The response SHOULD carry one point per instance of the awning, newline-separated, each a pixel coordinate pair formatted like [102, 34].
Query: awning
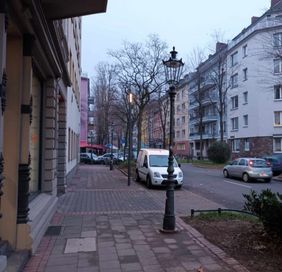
[60, 9]
[84, 144]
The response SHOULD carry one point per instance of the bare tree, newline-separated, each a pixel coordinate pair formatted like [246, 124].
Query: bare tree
[197, 95]
[140, 69]
[104, 91]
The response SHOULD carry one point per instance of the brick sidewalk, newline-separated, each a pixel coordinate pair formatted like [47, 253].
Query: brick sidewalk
[104, 225]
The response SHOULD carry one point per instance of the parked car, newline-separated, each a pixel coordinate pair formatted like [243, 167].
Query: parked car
[106, 158]
[248, 168]
[88, 158]
[275, 161]
[151, 167]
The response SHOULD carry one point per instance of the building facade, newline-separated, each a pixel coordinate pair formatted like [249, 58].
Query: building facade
[181, 129]
[251, 91]
[254, 106]
[39, 116]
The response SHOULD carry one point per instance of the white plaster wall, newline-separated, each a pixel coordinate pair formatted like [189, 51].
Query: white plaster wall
[260, 84]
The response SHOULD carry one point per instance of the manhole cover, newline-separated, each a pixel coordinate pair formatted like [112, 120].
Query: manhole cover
[53, 231]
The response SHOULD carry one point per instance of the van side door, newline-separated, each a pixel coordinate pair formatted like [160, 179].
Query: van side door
[143, 170]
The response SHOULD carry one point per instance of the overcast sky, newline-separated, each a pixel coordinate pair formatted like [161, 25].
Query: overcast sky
[185, 24]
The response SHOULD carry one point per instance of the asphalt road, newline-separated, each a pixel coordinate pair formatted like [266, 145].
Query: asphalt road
[211, 184]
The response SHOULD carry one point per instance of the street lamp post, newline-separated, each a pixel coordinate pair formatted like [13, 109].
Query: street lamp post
[130, 100]
[173, 69]
[112, 142]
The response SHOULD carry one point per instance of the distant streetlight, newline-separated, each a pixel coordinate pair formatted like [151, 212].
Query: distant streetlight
[112, 143]
[91, 143]
[173, 69]
[130, 100]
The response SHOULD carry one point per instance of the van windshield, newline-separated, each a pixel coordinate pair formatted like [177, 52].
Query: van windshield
[160, 161]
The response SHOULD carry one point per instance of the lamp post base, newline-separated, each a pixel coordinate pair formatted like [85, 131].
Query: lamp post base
[169, 231]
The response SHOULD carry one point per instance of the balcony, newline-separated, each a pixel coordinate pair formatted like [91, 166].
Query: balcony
[206, 119]
[205, 136]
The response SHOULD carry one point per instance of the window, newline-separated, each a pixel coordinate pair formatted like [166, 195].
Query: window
[183, 107]
[245, 97]
[234, 59]
[246, 144]
[277, 39]
[183, 120]
[177, 134]
[245, 74]
[277, 144]
[277, 66]
[178, 121]
[91, 120]
[244, 49]
[235, 145]
[235, 123]
[234, 102]
[277, 92]
[183, 133]
[277, 118]
[234, 81]
[246, 120]
[91, 107]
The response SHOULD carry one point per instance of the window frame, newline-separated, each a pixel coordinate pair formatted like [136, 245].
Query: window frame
[235, 145]
[279, 89]
[244, 50]
[234, 59]
[279, 150]
[234, 83]
[277, 115]
[234, 102]
[235, 123]
[277, 66]
[245, 97]
[245, 120]
[246, 144]
[279, 44]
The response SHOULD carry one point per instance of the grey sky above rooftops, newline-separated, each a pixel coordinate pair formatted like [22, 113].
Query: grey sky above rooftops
[185, 24]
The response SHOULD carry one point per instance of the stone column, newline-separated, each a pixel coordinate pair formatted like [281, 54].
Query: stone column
[62, 148]
[49, 184]
[3, 85]
[23, 230]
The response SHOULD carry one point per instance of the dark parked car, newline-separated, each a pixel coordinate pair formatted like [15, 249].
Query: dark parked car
[88, 158]
[275, 161]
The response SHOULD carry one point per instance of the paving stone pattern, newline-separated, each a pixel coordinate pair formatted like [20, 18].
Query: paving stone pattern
[121, 224]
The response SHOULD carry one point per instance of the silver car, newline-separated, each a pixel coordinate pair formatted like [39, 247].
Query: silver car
[248, 168]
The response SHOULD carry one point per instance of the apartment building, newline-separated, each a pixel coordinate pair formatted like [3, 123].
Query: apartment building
[181, 129]
[254, 100]
[39, 111]
[251, 91]
[207, 88]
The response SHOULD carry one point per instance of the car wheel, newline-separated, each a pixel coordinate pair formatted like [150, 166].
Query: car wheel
[268, 180]
[148, 182]
[225, 173]
[245, 177]
[137, 176]
[178, 187]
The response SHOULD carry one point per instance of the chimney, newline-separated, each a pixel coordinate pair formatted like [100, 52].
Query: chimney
[254, 19]
[219, 46]
[274, 2]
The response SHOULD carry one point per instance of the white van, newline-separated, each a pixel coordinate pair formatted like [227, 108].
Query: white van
[151, 167]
